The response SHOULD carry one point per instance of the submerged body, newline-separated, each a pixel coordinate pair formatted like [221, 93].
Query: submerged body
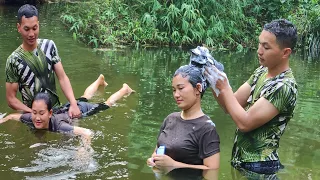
[189, 136]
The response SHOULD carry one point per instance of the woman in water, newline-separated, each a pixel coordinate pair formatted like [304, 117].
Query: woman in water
[43, 117]
[189, 137]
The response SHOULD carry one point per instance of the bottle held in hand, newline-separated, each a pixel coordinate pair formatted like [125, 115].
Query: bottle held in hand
[161, 150]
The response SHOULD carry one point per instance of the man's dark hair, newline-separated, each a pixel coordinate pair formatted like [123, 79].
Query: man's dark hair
[285, 32]
[44, 97]
[28, 11]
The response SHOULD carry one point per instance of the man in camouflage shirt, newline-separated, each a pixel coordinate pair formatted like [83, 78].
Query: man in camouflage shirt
[262, 107]
[31, 67]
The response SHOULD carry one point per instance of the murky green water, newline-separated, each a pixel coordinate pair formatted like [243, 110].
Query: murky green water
[125, 135]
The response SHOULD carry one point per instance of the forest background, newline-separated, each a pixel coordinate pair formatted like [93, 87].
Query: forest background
[219, 24]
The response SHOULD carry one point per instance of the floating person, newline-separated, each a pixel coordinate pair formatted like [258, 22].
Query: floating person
[189, 137]
[42, 116]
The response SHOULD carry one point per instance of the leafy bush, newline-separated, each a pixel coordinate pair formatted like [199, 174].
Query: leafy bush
[218, 24]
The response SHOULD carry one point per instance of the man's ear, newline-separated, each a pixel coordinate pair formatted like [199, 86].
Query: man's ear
[18, 27]
[286, 53]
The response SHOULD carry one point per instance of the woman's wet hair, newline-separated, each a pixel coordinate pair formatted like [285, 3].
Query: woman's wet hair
[195, 75]
[28, 11]
[285, 32]
[44, 97]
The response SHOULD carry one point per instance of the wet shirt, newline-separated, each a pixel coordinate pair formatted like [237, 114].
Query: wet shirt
[189, 141]
[43, 58]
[58, 122]
[261, 144]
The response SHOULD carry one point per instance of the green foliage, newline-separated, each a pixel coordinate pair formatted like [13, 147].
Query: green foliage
[218, 24]
[268, 10]
[307, 19]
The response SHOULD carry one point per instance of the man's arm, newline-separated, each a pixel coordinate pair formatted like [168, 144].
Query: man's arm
[65, 85]
[242, 94]
[260, 113]
[12, 100]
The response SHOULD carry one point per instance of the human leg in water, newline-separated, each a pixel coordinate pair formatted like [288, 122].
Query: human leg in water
[100, 82]
[124, 91]
[92, 88]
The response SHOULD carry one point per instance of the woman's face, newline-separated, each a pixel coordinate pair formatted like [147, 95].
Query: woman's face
[184, 93]
[40, 114]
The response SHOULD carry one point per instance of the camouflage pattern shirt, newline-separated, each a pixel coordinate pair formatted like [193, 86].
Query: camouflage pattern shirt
[34, 71]
[261, 144]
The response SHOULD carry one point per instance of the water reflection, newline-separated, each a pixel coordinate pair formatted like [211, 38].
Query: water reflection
[249, 175]
[169, 173]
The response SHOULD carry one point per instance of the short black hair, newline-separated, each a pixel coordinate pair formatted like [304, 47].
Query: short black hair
[44, 97]
[28, 11]
[285, 32]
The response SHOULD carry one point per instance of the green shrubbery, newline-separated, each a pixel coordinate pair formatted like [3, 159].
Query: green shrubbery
[218, 24]
[307, 19]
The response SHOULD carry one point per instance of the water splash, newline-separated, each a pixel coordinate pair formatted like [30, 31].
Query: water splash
[59, 162]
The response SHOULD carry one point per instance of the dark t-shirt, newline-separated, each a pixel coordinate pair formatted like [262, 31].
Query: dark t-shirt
[189, 141]
[57, 123]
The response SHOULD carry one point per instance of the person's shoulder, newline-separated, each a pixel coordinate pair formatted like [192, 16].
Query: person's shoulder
[288, 82]
[60, 117]
[45, 41]
[205, 126]
[173, 115]
[14, 55]
[25, 117]
[260, 69]
[207, 122]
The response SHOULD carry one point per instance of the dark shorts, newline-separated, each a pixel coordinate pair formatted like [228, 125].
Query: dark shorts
[250, 175]
[86, 108]
[261, 167]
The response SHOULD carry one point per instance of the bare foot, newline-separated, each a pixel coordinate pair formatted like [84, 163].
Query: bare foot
[128, 88]
[102, 82]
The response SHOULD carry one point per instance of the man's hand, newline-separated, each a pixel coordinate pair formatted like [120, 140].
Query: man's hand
[74, 111]
[218, 80]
